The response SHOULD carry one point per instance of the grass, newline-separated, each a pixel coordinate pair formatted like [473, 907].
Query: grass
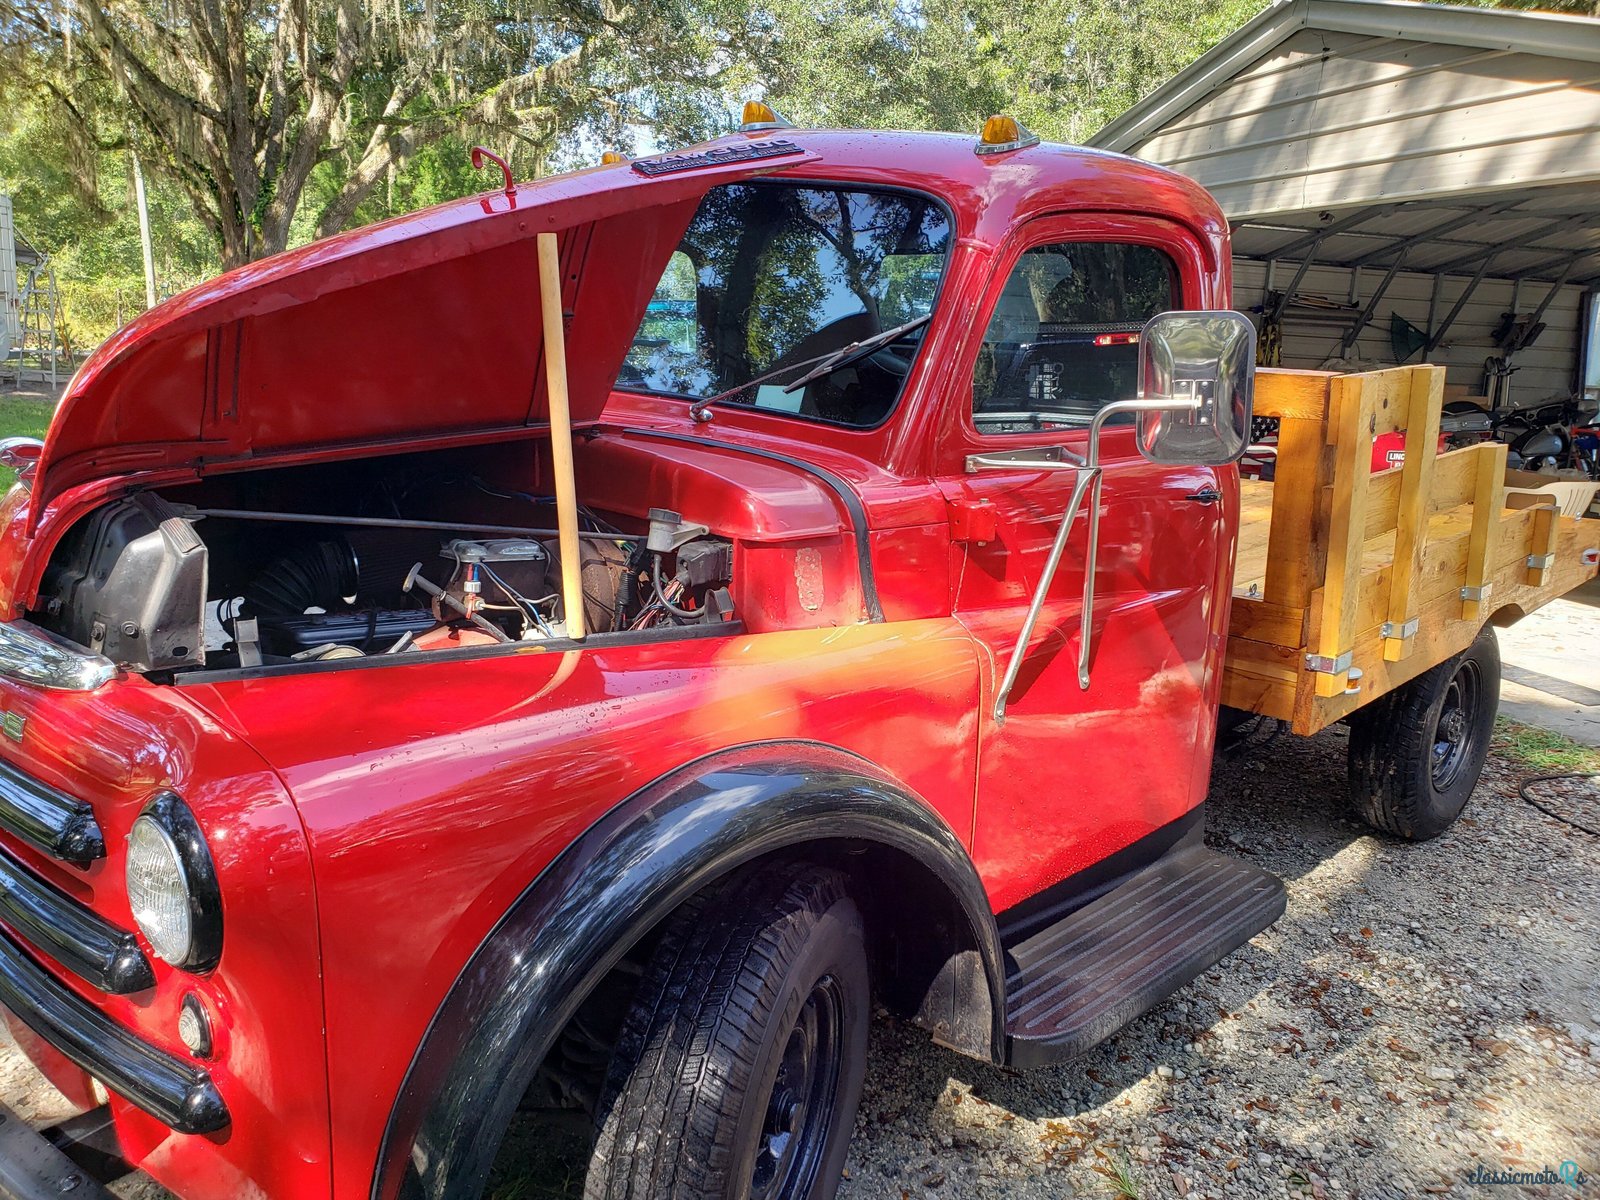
[1118, 1172]
[22, 418]
[1541, 749]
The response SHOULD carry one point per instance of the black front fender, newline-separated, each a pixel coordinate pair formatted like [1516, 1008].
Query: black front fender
[605, 892]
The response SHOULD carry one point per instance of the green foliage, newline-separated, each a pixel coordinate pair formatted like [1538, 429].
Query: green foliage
[22, 418]
[79, 209]
[1062, 67]
[1542, 749]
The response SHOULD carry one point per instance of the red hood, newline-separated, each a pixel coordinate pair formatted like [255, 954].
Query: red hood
[427, 324]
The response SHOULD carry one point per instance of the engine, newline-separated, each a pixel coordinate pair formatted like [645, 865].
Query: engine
[157, 587]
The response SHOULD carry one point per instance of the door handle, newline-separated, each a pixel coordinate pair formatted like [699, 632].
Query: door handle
[1029, 458]
[1206, 495]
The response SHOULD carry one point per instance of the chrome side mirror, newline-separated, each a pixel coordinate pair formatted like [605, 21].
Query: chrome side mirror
[1197, 373]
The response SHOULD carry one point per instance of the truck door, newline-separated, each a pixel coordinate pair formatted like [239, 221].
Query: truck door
[1071, 776]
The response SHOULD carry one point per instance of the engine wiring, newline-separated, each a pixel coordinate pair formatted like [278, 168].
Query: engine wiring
[662, 599]
[597, 523]
[662, 606]
[520, 602]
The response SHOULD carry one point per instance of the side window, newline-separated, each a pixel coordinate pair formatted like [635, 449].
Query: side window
[1064, 336]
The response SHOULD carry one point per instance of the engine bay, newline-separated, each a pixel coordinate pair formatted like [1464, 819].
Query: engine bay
[244, 573]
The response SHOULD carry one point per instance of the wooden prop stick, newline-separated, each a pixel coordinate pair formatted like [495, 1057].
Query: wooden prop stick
[555, 372]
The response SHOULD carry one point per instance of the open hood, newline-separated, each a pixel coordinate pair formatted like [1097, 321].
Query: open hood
[424, 326]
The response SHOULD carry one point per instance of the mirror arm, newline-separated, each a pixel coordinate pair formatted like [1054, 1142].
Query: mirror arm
[1118, 408]
[1086, 476]
[1086, 615]
[1088, 481]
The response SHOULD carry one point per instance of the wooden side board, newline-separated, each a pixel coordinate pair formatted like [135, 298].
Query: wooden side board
[1349, 583]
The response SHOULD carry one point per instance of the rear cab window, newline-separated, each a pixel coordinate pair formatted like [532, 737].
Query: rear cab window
[773, 281]
[1063, 339]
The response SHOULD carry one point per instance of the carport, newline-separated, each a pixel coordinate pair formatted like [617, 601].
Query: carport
[1401, 177]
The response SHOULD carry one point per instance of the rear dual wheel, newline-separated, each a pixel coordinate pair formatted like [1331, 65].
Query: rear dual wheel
[739, 1067]
[1417, 753]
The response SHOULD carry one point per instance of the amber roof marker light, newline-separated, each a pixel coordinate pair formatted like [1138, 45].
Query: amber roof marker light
[1002, 134]
[759, 116]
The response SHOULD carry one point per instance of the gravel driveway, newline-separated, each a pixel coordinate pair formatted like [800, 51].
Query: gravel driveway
[1419, 1012]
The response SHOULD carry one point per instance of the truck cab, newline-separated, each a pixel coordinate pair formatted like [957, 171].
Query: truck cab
[571, 649]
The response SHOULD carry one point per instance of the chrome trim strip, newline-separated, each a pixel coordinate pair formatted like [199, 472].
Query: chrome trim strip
[178, 1094]
[58, 824]
[29, 654]
[76, 937]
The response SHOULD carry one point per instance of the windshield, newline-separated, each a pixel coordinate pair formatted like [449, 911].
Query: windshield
[772, 280]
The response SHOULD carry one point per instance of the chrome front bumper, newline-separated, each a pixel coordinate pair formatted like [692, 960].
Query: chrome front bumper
[177, 1093]
[85, 943]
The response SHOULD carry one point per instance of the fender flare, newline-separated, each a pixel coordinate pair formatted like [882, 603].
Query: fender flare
[604, 892]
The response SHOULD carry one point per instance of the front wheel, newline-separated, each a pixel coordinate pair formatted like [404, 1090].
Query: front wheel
[1416, 754]
[739, 1067]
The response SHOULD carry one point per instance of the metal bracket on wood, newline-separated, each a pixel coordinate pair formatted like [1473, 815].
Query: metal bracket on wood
[1479, 594]
[1408, 630]
[1323, 665]
[1540, 562]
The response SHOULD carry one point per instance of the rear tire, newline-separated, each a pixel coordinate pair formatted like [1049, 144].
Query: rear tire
[739, 1066]
[1416, 754]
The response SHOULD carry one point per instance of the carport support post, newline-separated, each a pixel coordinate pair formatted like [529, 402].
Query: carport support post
[555, 373]
[1354, 335]
[1294, 284]
[1461, 302]
[1561, 282]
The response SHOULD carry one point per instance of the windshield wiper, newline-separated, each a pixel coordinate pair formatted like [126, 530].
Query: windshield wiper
[697, 410]
[826, 364]
[856, 351]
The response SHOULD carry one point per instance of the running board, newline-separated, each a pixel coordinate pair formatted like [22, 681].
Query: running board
[1075, 983]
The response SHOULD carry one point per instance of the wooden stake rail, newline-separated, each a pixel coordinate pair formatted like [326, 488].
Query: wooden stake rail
[1348, 583]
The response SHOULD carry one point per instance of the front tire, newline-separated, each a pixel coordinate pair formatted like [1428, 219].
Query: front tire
[1416, 754]
[739, 1066]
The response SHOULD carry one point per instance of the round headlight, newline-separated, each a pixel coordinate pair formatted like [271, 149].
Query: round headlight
[172, 885]
[159, 891]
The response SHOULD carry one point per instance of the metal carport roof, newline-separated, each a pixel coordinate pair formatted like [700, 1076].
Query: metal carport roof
[1379, 134]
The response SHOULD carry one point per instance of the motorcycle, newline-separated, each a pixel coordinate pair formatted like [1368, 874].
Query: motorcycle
[1554, 436]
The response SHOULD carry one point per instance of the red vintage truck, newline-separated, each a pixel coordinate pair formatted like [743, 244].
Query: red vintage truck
[566, 650]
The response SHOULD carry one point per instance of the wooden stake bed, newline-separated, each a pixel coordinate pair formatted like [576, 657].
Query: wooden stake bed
[1389, 573]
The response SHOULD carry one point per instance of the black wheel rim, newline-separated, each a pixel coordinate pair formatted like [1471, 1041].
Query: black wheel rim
[800, 1108]
[1456, 733]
